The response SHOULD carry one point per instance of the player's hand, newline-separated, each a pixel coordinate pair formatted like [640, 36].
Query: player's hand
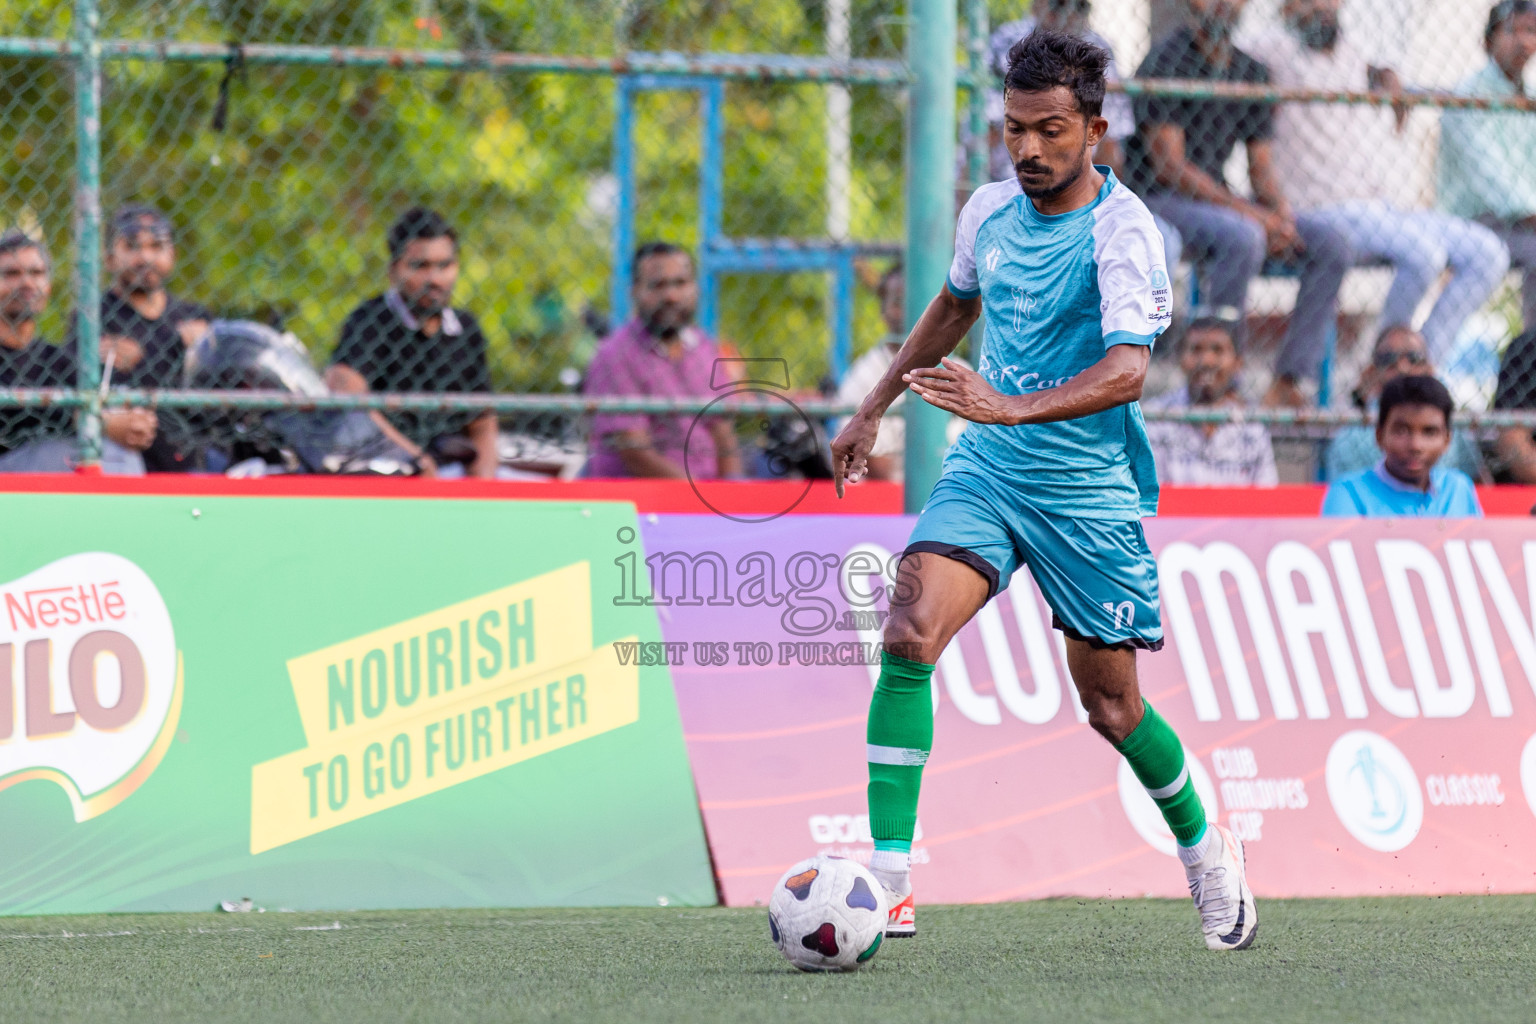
[851, 448]
[957, 388]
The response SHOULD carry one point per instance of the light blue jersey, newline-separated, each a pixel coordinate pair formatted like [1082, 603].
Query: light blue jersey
[1375, 492]
[1057, 292]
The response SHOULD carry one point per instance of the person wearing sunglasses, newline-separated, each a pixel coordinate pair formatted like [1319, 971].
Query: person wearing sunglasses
[1486, 156]
[1400, 351]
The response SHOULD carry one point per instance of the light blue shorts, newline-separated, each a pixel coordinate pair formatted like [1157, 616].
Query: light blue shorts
[1098, 576]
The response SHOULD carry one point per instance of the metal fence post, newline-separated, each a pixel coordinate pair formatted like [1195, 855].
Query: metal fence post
[87, 58]
[930, 211]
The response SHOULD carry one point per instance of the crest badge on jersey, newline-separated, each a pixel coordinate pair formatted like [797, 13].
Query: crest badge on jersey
[1162, 295]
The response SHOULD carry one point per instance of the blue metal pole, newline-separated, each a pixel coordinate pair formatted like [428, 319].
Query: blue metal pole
[624, 201]
[711, 201]
[844, 279]
[88, 225]
[930, 190]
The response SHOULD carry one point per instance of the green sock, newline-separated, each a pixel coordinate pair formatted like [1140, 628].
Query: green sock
[1157, 758]
[900, 734]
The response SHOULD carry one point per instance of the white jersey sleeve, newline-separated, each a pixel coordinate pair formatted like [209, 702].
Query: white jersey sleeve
[984, 202]
[1135, 293]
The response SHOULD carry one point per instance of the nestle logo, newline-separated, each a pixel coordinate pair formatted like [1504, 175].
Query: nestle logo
[65, 606]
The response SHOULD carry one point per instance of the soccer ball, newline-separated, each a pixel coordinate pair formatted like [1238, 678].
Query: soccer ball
[827, 914]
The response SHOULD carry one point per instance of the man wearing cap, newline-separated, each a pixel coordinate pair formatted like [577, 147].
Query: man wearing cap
[146, 332]
[411, 339]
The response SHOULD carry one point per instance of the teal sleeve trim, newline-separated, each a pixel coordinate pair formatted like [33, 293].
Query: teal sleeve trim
[961, 293]
[1129, 338]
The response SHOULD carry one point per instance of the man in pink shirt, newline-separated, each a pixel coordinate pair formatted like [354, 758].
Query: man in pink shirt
[660, 353]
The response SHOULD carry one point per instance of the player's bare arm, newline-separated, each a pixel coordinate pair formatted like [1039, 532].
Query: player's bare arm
[938, 331]
[1114, 380]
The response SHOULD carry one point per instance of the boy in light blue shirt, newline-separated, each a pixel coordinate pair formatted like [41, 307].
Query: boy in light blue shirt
[1413, 430]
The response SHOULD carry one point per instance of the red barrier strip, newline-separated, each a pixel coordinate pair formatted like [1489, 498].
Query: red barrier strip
[746, 498]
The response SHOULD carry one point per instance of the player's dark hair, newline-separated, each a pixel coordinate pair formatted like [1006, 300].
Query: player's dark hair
[1414, 390]
[649, 249]
[1044, 60]
[1501, 13]
[416, 223]
[15, 240]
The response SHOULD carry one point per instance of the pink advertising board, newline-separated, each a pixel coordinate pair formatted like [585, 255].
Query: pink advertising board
[1358, 700]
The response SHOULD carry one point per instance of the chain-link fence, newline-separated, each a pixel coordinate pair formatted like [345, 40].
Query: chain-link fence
[281, 140]
[1349, 187]
[1316, 164]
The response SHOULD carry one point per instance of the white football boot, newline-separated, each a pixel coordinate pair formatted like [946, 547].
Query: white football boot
[901, 914]
[1219, 885]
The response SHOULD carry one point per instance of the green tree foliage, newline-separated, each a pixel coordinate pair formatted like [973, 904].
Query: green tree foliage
[283, 212]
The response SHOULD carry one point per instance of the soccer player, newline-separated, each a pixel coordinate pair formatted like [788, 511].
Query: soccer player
[1054, 471]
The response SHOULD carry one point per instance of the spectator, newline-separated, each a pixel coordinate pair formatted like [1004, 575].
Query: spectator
[661, 353]
[144, 329]
[1340, 164]
[1487, 156]
[1515, 451]
[1399, 351]
[1413, 430]
[26, 360]
[145, 335]
[41, 440]
[411, 339]
[1071, 17]
[1231, 454]
[1176, 160]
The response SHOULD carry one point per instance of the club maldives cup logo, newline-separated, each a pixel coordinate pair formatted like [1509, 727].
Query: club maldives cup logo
[90, 680]
[1374, 790]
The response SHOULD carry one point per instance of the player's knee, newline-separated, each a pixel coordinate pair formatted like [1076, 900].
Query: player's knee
[1112, 716]
[907, 637]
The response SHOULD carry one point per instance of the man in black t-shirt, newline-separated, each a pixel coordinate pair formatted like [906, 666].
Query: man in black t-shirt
[1176, 160]
[146, 331]
[1514, 457]
[39, 439]
[411, 339]
[26, 360]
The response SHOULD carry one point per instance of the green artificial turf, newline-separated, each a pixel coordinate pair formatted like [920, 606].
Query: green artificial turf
[1422, 959]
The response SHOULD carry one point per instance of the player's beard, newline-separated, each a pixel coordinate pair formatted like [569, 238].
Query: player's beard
[1057, 188]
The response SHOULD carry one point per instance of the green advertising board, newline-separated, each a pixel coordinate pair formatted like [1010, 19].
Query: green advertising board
[331, 704]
